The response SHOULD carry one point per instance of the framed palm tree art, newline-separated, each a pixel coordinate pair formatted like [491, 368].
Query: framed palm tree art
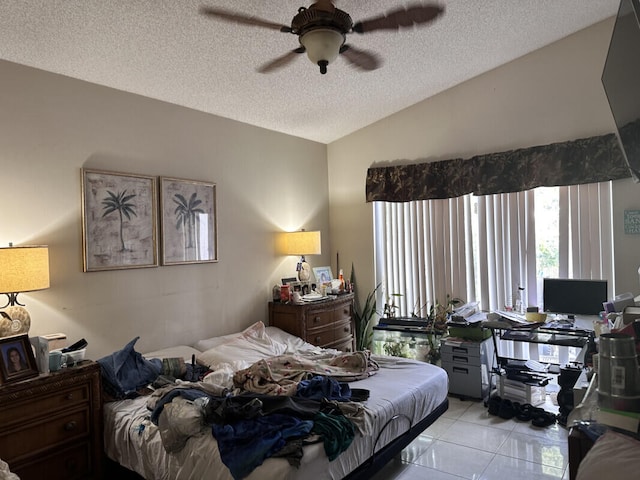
[119, 220]
[188, 221]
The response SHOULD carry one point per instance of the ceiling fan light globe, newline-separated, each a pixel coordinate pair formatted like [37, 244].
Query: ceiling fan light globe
[322, 45]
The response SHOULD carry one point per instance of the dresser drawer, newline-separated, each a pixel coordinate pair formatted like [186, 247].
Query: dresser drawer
[345, 345]
[320, 337]
[33, 437]
[38, 406]
[343, 329]
[343, 313]
[319, 318]
[69, 464]
[328, 323]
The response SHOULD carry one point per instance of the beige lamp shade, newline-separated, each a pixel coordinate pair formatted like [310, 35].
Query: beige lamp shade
[299, 243]
[24, 269]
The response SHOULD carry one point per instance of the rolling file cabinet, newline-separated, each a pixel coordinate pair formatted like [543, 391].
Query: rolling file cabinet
[468, 365]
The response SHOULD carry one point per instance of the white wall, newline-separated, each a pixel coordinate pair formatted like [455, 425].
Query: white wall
[52, 126]
[551, 95]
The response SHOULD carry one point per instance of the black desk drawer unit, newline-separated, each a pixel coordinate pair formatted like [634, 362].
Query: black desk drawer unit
[468, 365]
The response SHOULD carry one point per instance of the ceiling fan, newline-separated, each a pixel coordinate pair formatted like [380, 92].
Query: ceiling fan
[322, 29]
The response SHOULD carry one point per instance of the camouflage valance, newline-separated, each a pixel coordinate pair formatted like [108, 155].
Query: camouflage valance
[587, 160]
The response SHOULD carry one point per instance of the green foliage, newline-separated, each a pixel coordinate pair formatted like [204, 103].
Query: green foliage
[363, 316]
[364, 320]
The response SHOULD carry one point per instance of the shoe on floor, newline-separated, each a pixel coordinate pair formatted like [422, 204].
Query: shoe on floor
[542, 418]
[507, 410]
[494, 405]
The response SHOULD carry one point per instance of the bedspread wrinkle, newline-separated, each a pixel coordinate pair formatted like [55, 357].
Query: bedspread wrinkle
[281, 374]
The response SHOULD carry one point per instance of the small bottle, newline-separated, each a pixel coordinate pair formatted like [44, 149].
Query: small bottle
[341, 278]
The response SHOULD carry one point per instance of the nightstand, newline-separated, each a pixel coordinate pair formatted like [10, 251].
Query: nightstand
[325, 323]
[51, 425]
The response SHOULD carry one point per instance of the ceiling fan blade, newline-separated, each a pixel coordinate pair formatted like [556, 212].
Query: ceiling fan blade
[281, 61]
[235, 17]
[361, 59]
[415, 14]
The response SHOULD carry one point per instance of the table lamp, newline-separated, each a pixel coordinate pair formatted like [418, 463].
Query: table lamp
[300, 243]
[22, 269]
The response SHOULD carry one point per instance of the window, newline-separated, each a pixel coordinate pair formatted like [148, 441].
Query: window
[482, 248]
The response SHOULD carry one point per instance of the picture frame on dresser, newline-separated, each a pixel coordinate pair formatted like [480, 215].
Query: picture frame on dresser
[189, 221]
[17, 361]
[323, 274]
[119, 220]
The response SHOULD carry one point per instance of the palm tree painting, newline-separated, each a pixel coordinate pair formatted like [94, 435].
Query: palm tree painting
[119, 217]
[189, 223]
[187, 214]
[120, 203]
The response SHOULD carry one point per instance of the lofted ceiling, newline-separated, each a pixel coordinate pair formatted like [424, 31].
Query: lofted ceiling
[167, 50]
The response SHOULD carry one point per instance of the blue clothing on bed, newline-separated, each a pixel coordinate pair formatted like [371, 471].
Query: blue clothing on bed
[126, 371]
[245, 444]
[320, 387]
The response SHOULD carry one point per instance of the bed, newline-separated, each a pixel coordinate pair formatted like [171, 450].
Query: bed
[404, 398]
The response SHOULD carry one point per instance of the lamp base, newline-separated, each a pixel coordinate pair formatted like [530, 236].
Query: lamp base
[304, 272]
[14, 320]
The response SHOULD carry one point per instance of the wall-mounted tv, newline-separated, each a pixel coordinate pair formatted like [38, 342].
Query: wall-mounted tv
[620, 79]
[573, 296]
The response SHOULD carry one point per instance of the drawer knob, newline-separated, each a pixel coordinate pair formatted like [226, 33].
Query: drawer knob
[318, 339]
[316, 319]
[347, 329]
[70, 426]
[69, 396]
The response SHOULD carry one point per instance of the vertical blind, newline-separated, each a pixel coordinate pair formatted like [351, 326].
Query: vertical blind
[426, 250]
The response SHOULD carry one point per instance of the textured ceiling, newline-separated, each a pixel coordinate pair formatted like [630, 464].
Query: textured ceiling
[167, 50]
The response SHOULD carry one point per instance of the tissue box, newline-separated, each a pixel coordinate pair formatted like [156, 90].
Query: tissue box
[56, 340]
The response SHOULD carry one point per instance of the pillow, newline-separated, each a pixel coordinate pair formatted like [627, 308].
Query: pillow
[182, 351]
[208, 343]
[253, 345]
[614, 455]
[256, 331]
[293, 344]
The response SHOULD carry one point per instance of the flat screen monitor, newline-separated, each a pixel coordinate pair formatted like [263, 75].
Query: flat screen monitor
[620, 79]
[573, 296]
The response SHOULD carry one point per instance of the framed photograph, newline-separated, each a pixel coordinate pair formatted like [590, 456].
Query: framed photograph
[16, 359]
[323, 274]
[189, 221]
[288, 280]
[119, 221]
[295, 286]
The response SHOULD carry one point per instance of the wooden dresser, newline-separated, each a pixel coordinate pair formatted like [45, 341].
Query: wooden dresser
[327, 323]
[51, 425]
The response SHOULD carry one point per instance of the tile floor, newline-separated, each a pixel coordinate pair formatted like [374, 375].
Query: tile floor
[467, 442]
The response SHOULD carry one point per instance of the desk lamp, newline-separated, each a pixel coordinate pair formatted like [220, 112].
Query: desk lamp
[300, 243]
[22, 269]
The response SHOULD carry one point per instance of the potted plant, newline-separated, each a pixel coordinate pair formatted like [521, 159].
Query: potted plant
[437, 326]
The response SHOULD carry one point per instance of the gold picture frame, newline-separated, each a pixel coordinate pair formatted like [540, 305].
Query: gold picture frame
[119, 220]
[189, 221]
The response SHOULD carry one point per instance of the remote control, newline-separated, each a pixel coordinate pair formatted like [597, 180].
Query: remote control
[79, 345]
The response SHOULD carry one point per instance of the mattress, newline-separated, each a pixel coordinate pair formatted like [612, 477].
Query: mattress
[402, 392]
